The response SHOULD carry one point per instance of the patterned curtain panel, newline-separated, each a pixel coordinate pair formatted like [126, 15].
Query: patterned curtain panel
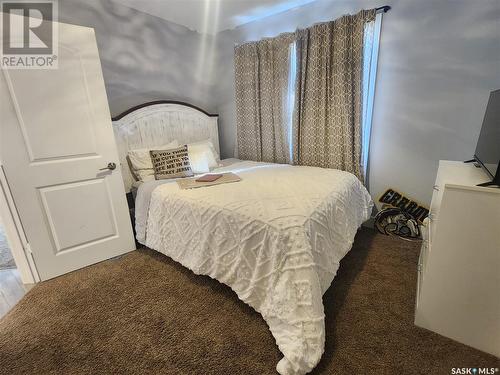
[262, 84]
[327, 122]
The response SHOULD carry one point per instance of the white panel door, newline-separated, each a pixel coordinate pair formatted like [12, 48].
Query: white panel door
[56, 135]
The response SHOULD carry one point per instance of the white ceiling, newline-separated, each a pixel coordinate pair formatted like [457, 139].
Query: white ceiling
[212, 16]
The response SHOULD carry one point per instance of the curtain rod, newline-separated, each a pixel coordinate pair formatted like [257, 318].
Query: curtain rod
[383, 9]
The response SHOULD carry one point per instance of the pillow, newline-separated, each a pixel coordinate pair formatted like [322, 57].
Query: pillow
[199, 161]
[141, 164]
[172, 163]
[145, 175]
[203, 150]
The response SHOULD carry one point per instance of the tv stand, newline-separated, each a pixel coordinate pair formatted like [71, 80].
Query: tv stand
[458, 277]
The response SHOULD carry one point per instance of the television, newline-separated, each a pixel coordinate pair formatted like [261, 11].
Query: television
[487, 152]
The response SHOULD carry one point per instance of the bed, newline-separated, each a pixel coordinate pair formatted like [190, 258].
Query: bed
[276, 237]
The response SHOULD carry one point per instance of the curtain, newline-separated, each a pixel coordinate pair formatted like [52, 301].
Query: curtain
[328, 110]
[300, 96]
[262, 80]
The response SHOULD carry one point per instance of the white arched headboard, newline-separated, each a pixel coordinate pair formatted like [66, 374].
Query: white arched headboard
[160, 122]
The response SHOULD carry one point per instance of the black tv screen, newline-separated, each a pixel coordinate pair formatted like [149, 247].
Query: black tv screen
[488, 145]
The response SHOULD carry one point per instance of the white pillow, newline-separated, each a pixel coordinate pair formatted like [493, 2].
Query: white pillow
[140, 160]
[203, 150]
[145, 175]
[199, 159]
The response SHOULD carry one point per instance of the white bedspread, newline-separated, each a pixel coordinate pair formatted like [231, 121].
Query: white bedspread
[276, 238]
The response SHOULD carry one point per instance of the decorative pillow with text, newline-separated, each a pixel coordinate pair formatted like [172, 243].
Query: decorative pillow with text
[140, 161]
[172, 163]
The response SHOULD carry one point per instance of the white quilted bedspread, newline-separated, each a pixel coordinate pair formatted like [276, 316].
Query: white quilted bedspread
[276, 238]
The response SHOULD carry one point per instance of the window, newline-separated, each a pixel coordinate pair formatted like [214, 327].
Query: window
[370, 58]
[292, 78]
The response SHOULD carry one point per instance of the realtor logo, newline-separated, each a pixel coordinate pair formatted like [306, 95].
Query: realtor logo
[29, 34]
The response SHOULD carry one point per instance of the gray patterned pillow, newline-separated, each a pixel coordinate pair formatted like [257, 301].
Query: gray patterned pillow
[172, 163]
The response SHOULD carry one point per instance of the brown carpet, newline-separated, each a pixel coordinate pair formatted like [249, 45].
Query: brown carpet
[145, 314]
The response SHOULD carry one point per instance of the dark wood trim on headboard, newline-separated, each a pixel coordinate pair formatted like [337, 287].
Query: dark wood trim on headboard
[121, 115]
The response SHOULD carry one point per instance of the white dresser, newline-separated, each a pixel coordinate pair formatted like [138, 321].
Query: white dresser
[458, 292]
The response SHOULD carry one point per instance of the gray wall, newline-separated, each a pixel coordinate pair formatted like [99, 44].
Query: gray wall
[144, 57]
[438, 62]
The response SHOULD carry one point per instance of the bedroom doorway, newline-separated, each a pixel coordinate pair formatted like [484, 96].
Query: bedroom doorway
[17, 274]
[6, 258]
[12, 288]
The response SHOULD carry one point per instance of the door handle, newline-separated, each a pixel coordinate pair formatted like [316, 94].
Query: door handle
[110, 166]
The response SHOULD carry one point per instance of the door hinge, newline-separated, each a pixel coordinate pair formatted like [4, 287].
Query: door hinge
[27, 249]
[31, 261]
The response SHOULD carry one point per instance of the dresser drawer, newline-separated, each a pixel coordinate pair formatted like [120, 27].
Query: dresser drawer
[427, 229]
[424, 253]
[422, 260]
[437, 197]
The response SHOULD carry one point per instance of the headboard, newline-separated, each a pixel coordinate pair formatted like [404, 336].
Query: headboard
[160, 122]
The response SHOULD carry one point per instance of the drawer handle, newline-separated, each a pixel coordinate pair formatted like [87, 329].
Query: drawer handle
[436, 187]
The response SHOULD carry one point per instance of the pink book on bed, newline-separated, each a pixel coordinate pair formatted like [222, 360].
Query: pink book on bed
[209, 178]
